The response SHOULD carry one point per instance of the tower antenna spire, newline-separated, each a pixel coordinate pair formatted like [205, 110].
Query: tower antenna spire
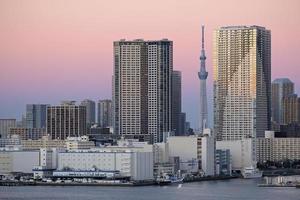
[203, 37]
[202, 74]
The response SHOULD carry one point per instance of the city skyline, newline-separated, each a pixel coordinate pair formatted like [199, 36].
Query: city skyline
[76, 40]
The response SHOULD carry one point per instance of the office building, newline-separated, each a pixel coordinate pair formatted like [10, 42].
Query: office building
[202, 74]
[5, 125]
[90, 111]
[36, 115]
[289, 130]
[66, 120]
[28, 133]
[105, 113]
[242, 82]
[176, 104]
[291, 109]
[281, 88]
[182, 124]
[142, 89]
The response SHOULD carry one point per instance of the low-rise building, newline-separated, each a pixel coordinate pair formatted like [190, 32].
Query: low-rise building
[28, 133]
[45, 142]
[79, 143]
[11, 141]
[195, 152]
[223, 162]
[243, 152]
[131, 163]
[275, 149]
[18, 161]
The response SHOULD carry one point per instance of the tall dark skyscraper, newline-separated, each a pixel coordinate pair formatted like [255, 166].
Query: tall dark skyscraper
[242, 82]
[105, 113]
[142, 89]
[90, 111]
[36, 115]
[281, 87]
[178, 120]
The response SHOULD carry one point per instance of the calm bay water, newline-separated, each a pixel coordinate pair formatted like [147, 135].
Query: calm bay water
[209, 190]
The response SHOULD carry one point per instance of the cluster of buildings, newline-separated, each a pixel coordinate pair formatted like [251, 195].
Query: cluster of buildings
[142, 133]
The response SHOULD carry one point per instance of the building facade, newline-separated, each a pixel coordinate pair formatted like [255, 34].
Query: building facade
[142, 89]
[242, 82]
[291, 109]
[13, 161]
[176, 103]
[90, 111]
[36, 115]
[277, 149]
[66, 120]
[105, 113]
[133, 164]
[223, 162]
[28, 133]
[45, 142]
[281, 87]
[5, 125]
[243, 152]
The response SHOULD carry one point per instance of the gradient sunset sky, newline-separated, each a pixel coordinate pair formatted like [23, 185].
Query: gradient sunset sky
[53, 50]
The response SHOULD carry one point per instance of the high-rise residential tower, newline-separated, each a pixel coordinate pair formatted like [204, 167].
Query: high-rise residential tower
[66, 120]
[242, 82]
[105, 113]
[202, 74]
[281, 87]
[90, 111]
[36, 115]
[142, 89]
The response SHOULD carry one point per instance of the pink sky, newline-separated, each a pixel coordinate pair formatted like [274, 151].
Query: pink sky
[52, 50]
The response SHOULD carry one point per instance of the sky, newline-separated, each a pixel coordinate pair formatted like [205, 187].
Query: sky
[53, 50]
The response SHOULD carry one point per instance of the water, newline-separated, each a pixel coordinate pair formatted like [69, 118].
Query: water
[209, 190]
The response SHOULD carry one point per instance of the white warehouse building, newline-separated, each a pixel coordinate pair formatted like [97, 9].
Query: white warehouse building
[243, 152]
[129, 162]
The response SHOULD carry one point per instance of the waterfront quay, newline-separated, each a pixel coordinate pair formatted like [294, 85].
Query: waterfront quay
[94, 182]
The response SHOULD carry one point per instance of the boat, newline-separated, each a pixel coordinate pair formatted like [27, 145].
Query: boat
[163, 181]
[168, 180]
[251, 172]
[175, 180]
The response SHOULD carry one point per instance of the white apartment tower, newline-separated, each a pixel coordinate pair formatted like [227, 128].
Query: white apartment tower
[142, 89]
[242, 82]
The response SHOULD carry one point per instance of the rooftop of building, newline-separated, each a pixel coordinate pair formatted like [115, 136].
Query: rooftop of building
[282, 80]
[241, 27]
[135, 41]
